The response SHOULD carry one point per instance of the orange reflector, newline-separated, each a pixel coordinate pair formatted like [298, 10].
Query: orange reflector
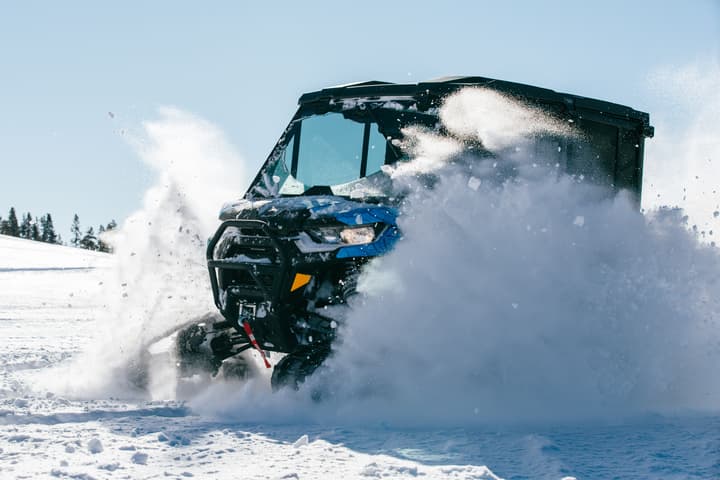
[300, 281]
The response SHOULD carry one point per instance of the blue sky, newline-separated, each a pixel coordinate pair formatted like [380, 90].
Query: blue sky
[65, 65]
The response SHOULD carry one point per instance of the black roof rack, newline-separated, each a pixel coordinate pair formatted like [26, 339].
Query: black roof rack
[436, 89]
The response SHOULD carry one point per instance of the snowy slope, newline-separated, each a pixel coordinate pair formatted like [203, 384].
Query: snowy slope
[21, 254]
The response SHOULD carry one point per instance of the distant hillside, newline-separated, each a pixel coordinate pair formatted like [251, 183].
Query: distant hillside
[21, 254]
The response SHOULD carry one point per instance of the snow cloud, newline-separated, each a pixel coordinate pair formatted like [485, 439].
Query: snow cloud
[519, 296]
[506, 306]
[515, 295]
[161, 279]
[683, 165]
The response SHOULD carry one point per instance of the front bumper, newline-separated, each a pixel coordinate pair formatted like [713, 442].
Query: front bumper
[261, 277]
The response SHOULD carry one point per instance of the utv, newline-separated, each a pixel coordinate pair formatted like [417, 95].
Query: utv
[320, 208]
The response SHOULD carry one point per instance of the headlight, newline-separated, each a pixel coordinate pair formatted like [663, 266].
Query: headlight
[357, 235]
[325, 239]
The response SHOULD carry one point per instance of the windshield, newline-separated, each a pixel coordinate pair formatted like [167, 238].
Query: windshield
[337, 152]
[331, 152]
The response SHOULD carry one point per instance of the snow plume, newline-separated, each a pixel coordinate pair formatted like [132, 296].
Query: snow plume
[496, 120]
[536, 300]
[481, 116]
[516, 294]
[685, 154]
[161, 279]
[527, 296]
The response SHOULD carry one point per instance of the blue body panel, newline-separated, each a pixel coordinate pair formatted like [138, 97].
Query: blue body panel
[368, 215]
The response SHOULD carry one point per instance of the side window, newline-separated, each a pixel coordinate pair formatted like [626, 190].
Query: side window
[281, 174]
[282, 168]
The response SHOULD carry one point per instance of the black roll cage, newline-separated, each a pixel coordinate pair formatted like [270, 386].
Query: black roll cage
[623, 165]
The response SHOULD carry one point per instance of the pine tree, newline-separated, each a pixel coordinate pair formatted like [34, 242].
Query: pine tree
[2, 226]
[75, 231]
[12, 229]
[43, 228]
[34, 233]
[48, 229]
[25, 226]
[89, 241]
[101, 245]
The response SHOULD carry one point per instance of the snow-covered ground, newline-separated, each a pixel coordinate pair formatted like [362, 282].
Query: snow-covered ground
[49, 304]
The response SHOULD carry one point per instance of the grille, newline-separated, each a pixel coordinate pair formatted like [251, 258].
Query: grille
[244, 279]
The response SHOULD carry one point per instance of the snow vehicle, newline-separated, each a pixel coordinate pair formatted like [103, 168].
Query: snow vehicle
[320, 208]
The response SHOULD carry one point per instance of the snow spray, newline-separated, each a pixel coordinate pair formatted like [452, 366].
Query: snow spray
[683, 161]
[160, 279]
[518, 293]
[530, 295]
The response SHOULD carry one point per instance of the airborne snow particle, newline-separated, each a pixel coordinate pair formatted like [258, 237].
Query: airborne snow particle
[474, 183]
[579, 221]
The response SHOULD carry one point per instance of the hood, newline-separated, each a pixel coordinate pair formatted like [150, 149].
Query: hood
[294, 212]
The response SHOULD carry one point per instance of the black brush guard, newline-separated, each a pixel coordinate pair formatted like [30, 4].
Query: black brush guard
[257, 290]
[249, 285]
[255, 234]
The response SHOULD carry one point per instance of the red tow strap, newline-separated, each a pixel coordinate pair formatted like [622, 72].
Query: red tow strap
[248, 331]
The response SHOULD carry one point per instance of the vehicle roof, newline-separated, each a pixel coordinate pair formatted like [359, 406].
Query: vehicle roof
[438, 88]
